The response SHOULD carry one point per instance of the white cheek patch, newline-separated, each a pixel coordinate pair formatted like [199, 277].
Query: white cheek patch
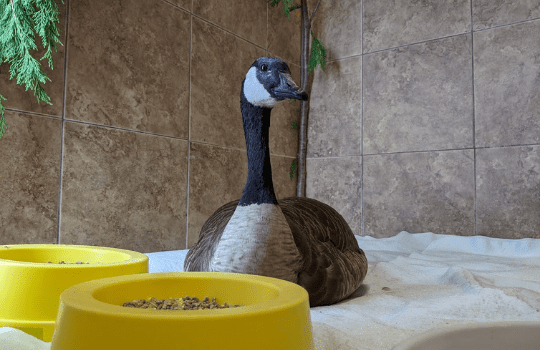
[255, 92]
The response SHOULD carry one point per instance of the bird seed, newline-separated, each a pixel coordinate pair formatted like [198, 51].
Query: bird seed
[185, 303]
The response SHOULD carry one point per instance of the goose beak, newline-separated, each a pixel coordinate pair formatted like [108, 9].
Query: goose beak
[288, 90]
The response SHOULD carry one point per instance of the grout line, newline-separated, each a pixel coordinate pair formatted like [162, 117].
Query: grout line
[473, 124]
[243, 149]
[267, 29]
[362, 216]
[158, 135]
[189, 133]
[341, 156]
[227, 31]
[428, 40]
[121, 128]
[33, 113]
[64, 93]
[424, 151]
[506, 25]
[179, 7]
[416, 43]
[212, 24]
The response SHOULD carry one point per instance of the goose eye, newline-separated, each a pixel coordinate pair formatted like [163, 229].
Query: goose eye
[264, 67]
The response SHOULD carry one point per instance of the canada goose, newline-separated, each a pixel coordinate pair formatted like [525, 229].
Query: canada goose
[297, 239]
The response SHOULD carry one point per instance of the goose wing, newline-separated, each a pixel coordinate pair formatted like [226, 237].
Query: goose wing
[333, 265]
[199, 256]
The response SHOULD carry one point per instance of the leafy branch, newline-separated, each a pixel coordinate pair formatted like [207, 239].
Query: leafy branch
[316, 57]
[20, 20]
[293, 168]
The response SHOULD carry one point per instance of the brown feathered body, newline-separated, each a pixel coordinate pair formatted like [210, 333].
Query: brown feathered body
[332, 264]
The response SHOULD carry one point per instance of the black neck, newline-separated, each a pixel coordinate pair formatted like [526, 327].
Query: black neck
[259, 187]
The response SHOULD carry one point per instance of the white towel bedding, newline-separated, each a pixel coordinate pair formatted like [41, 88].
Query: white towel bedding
[431, 281]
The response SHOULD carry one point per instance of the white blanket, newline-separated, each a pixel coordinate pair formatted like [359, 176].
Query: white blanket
[415, 282]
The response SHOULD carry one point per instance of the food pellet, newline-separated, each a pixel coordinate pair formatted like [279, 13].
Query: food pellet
[185, 303]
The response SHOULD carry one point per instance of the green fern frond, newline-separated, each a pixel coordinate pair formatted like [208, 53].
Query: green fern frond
[20, 20]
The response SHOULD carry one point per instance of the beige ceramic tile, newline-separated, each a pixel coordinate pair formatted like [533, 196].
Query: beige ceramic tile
[419, 97]
[216, 176]
[185, 4]
[216, 82]
[508, 192]
[336, 181]
[338, 25]
[128, 65]
[335, 117]
[18, 98]
[391, 23]
[245, 18]
[419, 192]
[507, 85]
[489, 13]
[123, 189]
[29, 179]
[284, 35]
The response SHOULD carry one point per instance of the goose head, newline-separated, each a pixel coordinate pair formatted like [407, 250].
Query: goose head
[268, 82]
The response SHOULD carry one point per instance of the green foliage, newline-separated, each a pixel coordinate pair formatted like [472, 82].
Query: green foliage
[318, 52]
[20, 20]
[318, 55]
[294, 126]
[287, 5]
[293, 167]
[3, 125]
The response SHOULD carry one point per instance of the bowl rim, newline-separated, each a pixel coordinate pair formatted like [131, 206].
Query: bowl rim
[82, 297]
[132, 256]
[466, 326]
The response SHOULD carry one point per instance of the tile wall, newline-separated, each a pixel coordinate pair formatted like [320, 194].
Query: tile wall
[427, 117]
[143, 140]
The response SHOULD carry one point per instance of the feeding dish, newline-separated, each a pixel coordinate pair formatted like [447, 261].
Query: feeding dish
[30, 288]
[275, 314]
[478, 336]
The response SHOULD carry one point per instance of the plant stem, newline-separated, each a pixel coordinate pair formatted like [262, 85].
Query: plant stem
[302, 140]
[313, 14]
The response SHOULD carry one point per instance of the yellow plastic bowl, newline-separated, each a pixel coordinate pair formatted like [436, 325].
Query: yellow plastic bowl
[515, 335]
[30, 288]
[275, 314]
